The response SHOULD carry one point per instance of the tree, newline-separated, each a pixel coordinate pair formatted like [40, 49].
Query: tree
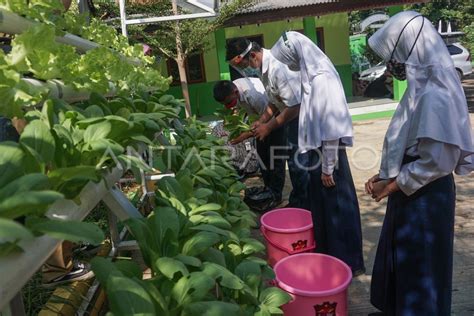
[177, 39]
[460, 13]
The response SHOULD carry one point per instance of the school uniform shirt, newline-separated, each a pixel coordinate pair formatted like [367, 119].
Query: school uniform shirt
[282, 85]
[253, 98]
[436, 160]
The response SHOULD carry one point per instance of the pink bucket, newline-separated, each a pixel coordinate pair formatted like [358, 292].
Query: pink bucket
[318, 284]
[287, 231]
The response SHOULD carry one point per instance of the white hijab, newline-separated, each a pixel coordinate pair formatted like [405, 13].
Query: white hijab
[434, 105]
[324, 115]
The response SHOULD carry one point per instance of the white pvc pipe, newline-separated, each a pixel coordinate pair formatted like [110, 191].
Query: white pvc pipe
[170, 18]
[57, 89]
[12, 23]
[82, 45]
[123, 17]
[200, 5]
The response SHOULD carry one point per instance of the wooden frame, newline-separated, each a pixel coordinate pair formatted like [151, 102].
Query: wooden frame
[176, 81]
[320, 36]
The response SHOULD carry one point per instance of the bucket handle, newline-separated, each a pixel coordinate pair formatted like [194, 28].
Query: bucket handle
[290, 252]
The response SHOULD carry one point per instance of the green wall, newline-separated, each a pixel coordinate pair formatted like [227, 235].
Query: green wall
[345, 72]
[336, 37]
[336, 40]
[202, 101]
[271, 31]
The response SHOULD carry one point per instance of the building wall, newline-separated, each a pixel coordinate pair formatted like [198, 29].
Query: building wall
[336, 35]
[336, 39]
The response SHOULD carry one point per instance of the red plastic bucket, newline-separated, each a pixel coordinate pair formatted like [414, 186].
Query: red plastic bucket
[318, 284]
[287, 231]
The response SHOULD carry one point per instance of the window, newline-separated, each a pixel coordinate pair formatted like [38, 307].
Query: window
[194, 69]
[234, 74]
[320, 38]
[454, 50]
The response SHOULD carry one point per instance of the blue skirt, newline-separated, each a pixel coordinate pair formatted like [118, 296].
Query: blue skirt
[413, 266]
[336, 215]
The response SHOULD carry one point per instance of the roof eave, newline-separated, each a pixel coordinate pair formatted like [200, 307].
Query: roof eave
[312, 10]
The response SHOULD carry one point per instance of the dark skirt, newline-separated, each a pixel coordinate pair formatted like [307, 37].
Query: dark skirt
[336, 215]
[297, 168]
[413, 266]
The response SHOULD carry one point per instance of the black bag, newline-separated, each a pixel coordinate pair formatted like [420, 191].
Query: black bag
[260, 199]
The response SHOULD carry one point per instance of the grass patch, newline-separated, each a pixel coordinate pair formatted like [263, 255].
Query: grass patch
[34, 295]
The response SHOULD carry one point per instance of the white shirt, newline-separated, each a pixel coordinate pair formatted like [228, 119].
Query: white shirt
[282, 85]
[252, 95]
[436, 160]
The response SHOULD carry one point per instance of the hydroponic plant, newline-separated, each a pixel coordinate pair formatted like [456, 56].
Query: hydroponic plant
[196, 242]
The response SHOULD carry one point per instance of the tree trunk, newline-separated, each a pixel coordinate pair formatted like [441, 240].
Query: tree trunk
[180, 60]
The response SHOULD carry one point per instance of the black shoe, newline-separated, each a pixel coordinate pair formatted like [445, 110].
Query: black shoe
[80, 271]
[260, 195]
[87, 249]
[253, 191]
[265, 206]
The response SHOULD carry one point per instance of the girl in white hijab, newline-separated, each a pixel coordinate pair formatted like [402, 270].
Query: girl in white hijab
[429, 137]
[325, 128]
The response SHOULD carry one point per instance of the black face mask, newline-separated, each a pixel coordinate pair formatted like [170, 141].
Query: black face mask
[397, 69]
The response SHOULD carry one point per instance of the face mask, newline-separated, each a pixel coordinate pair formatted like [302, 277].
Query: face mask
[397, 69]
[231, 104]
[251, 72]
[247, 71]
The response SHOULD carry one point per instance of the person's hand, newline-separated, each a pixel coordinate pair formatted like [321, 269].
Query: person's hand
[240, 138]
[255, 125]
[383, 188]
[328, 180]
[19, 124]
[262, 131]
[369, 185]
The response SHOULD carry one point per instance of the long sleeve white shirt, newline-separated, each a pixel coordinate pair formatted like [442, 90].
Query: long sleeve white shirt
[436, 160]
[330, 156]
